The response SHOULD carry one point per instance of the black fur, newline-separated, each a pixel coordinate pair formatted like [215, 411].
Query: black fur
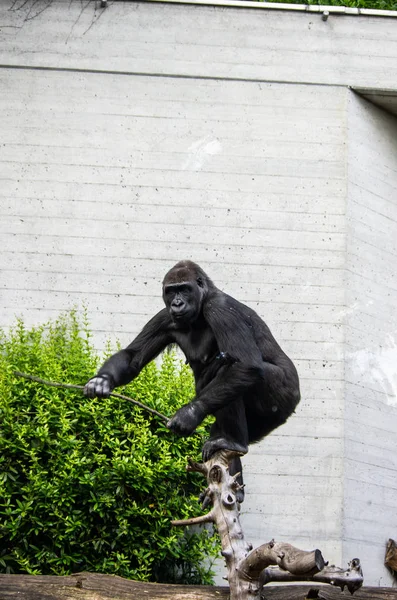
[242, 376]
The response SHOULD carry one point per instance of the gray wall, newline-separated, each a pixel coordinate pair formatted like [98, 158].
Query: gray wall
[147, 133]
[203, 41]
[371, 336]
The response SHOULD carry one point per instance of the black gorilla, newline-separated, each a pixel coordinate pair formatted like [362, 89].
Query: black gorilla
[241, 374]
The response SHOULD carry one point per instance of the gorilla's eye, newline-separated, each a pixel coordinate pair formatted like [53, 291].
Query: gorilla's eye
[185, 288]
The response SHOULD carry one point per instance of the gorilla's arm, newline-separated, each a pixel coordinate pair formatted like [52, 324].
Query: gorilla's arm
[126, 364]
[233, 327]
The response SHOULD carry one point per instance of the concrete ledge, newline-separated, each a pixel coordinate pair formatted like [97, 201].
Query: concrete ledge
[309, 8]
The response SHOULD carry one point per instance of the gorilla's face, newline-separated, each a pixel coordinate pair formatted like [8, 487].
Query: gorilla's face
[183, 301]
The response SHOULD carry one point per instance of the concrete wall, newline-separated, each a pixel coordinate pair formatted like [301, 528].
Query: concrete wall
[202, 41]
[370, 515]
[101, 195]
[147, 133]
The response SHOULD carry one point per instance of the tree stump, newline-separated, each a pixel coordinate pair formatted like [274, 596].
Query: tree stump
[250, 570]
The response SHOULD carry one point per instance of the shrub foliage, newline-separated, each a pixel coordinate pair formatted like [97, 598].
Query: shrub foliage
[88, 484]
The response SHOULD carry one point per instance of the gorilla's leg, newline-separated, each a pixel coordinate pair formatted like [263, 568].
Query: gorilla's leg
[231, 383]
[229, 432]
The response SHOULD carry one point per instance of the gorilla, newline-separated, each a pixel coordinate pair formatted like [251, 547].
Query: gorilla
[241, 374]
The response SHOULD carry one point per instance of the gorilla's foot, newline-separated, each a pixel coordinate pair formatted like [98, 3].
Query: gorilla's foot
[214, 445]
[220, 443]
[235, 468]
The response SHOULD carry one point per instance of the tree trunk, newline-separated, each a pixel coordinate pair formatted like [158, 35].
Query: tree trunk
[250, 570]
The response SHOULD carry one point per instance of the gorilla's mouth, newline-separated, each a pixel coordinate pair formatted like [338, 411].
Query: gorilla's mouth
[182, 317]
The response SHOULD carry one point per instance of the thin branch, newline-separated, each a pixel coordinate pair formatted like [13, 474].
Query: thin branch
[208, 518]
[12, 7]
[96, 18]
[81, 387]
[196, 466]
[39, 11]
[77, 20]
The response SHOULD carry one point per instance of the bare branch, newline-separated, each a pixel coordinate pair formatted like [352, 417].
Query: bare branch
[96, 17]
[208, 518]
[196, 467]
[81, 387]
[31, 16]
[77, 20]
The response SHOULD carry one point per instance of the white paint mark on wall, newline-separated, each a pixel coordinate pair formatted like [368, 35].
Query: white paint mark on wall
[355, 307]
[200, 152]
[380, 365]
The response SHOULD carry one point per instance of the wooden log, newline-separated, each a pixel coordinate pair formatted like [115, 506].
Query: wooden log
[350, 578]
[291, 559]
[96, 586]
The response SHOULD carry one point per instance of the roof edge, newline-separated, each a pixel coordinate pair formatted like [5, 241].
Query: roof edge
[307, 8]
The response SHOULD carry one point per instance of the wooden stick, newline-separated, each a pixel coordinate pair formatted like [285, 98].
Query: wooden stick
[81, 387]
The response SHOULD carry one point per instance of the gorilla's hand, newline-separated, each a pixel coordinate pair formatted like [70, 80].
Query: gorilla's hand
[100, 386]
[187, 418]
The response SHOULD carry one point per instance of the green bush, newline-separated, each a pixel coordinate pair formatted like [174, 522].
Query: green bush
[88, 484]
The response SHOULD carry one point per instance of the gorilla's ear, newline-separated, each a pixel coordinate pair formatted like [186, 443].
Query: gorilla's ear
[200, 282]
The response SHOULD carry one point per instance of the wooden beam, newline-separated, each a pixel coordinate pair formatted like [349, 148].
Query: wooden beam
[96, 586]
